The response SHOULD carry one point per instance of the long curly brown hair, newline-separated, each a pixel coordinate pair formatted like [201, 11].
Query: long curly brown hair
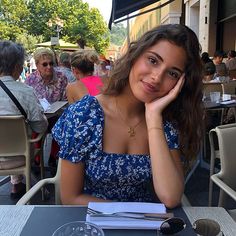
[186, 111]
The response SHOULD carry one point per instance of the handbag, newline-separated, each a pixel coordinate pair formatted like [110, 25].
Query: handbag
[13, 98]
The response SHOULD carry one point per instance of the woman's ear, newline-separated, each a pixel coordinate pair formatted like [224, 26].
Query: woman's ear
[76, 72]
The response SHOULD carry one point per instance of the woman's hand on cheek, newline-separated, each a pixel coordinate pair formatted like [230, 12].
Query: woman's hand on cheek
[158, 105]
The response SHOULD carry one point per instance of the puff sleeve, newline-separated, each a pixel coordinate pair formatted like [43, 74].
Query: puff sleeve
[172, 136]
[76, 131]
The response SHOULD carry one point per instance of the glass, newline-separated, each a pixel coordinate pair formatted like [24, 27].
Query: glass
[215, 96]
[79, 228]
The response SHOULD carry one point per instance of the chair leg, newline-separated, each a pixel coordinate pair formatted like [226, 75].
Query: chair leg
[42, 174]
[222, 199]
[210, 193]
[5, 180]
[28, 181]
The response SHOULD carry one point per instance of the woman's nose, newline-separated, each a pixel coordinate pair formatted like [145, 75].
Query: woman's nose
[158, 76]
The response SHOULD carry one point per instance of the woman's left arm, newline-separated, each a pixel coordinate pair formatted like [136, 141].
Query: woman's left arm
[167, 171]
[168, 178]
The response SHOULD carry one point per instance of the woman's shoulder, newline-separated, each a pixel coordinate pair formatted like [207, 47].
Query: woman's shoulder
[85, 106]
[76, 85]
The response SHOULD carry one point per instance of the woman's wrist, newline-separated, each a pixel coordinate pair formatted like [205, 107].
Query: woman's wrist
[155, 124]
[155, 128]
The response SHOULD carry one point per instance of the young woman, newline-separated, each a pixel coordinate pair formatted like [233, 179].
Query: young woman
[86, 83]
[126, 144]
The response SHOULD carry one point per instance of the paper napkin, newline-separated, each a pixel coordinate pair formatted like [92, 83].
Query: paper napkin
[123, 222]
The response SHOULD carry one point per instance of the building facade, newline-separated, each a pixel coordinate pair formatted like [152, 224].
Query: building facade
[213, 21]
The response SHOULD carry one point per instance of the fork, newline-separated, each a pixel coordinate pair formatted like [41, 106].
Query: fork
[134, 215]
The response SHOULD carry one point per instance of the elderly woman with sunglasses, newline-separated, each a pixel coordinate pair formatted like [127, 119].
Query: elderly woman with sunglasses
[47, 81]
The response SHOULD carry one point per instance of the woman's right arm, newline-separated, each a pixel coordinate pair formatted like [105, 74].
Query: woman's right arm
[72, 184]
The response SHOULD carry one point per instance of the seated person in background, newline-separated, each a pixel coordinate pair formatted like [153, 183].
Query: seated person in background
[126, 143]
[231, 62]
[221, 69]
[83, 67]
[209, 71]
[11, 64]
[48, 83]
[65, 66]
[103, 69]
[205, 58]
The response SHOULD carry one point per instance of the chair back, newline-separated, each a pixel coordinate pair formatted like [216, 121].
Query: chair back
[227, 151]
[13, 137]
[212, 87]
[40, 185]
[230, 87]
[232, 74]
[14, 143]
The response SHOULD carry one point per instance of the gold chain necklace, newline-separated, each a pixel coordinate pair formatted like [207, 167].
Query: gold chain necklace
[131, 129]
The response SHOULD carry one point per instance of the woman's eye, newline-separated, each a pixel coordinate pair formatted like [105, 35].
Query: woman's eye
[152, 60]
[174, 74]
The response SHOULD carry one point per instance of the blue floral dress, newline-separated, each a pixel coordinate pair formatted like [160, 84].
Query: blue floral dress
[118, 177]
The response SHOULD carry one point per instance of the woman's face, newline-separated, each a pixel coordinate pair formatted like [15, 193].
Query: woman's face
[157, 71]
[45, 66]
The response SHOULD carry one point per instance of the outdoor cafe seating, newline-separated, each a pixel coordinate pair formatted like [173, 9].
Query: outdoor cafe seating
[15, 143]
[222, 143]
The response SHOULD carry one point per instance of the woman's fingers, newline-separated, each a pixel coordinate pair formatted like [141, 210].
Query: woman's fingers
[177, 89]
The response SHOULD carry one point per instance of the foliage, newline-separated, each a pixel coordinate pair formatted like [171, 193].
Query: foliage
[28, 41]
[12, 18]
[118, 34]
[82, 25]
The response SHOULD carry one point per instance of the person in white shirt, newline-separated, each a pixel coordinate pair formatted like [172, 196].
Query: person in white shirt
[11, 65]
[32, 65]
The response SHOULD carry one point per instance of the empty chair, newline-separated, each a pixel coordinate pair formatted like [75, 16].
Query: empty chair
[212, 87]
[14, 142]
[42, 183]
[230, 87]
[226, 177]
[232, 74]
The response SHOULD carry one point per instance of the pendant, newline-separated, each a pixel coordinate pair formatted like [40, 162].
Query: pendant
[131, 132]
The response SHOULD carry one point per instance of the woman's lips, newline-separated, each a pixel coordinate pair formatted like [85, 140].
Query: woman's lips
[148, 87]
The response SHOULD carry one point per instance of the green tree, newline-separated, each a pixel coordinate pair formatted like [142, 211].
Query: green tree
[118, 34]
[29, 41]
[81, 25]
[12, 18]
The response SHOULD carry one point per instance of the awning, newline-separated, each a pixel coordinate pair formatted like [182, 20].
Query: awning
[62, 45]
[122, 8]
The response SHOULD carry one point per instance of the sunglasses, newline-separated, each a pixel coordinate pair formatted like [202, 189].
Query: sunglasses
[204, 227]
[172, 226]
[45, 64]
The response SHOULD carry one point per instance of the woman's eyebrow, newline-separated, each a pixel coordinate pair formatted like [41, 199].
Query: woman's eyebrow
[161, 59]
